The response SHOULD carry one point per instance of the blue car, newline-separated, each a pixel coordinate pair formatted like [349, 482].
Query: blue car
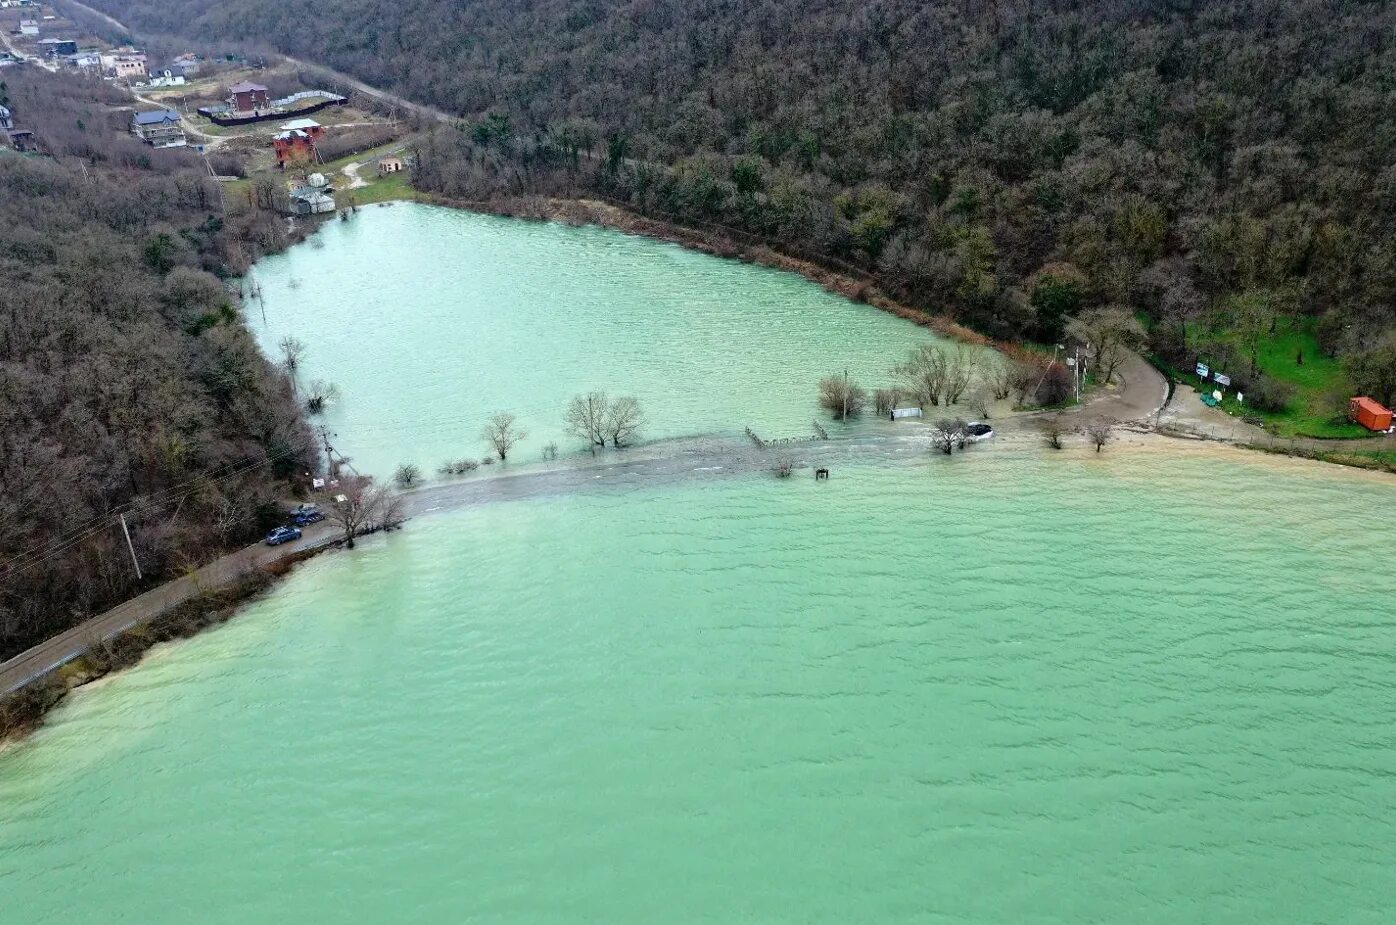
[306, 514]
[283, 535]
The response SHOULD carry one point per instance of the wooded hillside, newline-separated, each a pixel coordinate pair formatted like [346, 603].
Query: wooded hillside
[1006, 160]
[127, 381]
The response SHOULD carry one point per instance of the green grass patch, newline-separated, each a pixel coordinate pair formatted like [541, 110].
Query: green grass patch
[381, 189]
[1318, 408]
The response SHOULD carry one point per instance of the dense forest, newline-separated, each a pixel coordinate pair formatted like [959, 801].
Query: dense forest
[127, 381]
[1008, 161]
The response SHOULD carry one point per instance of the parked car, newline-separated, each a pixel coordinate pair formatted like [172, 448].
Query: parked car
[283, 535]
[976, 431]
[306, 514]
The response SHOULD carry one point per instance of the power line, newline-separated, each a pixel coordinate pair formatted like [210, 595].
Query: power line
[28, 559]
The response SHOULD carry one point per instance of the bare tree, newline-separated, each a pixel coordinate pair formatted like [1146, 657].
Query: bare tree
[407, 475]
[292, 349]
[948, 435]
[923, 374]
[885, 401]
[784, 466]
[501, 433]
[1100, 431]
[1054, 427]
[998, 374]
[586, 418]
[843, 397]
[623, 419]
[228, 516]
[1111, 333]
[550, 450]
[1024, 376]
[960, 366]
[362, 507]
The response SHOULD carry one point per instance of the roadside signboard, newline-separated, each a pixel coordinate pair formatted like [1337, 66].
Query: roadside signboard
[1220, 379]
[1202, 370]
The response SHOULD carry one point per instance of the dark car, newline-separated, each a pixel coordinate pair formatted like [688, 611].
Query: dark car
[283, 535]
[306, 514]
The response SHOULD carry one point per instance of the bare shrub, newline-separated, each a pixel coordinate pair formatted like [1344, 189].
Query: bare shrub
[886, 400]
[784, 467]
[458, 466]
[550, 450]
[1100, 430]
[1056, 386]
[842, 397]
[407, 475]
[320, 396]
[1054, 428]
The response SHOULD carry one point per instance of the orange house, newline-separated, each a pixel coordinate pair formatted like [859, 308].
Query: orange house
[296, 141]
[1369, 414]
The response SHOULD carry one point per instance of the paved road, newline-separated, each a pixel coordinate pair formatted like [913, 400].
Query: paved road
[61, 649]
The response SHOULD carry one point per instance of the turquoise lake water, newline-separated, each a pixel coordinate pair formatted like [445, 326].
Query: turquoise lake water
[429, 320]
[1150, 685]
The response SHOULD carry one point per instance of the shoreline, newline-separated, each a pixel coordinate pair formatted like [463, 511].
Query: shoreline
[23, 709]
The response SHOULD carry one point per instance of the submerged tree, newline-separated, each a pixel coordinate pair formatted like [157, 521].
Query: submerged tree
[586, 418]
[842, 397]
[949, 435]
[407, 475]
[363, 506]
[501, 433]
[1100, 431]
[1054, 428]
[623, 420]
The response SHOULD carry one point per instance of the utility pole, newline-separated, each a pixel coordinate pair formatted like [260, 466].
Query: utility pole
[131, 548]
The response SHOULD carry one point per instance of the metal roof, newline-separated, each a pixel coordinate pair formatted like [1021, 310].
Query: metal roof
[246, 86]
[300, 124]
[156, 117]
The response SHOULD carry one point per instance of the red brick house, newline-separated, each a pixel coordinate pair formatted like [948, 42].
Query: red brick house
[247, 96]
[296, 141]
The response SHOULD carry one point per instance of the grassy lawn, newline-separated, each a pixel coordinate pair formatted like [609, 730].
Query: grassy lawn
[1312, 412]
[380, 189]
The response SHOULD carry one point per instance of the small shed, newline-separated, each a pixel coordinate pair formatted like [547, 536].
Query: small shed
[28, 27]
[7, 119]
[21, 139]
[390, 164]
[1370, 414]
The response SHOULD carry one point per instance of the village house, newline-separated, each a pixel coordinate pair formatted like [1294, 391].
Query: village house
[52, 48]
[125, 62]
[166, 78]
[84, 60]
[28, 27]
[295, 143]
[159, 129]
[186, 65]
[390, 164]
[248, 97]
